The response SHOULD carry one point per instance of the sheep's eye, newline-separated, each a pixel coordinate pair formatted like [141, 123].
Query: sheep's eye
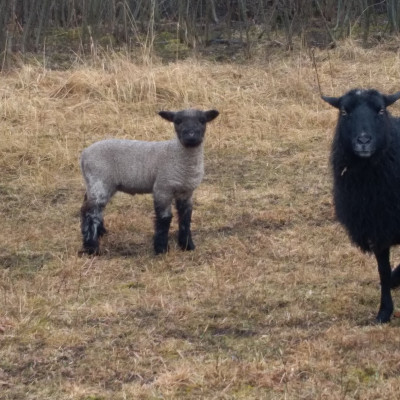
[343, 112]
[202, 120]
[381, 111]
[178, 121]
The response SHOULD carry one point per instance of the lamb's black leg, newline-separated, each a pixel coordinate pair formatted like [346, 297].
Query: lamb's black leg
[386, 307]
[92, 226]
[184, 208]
[162, 223]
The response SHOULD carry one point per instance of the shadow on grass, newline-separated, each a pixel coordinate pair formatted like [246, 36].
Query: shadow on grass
[110, 247]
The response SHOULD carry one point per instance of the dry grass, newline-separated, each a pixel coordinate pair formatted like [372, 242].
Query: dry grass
[273, 304]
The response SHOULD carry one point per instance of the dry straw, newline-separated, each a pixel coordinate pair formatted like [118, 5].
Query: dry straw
[274, 303]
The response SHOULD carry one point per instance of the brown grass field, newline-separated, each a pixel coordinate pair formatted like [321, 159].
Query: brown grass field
[274, 303]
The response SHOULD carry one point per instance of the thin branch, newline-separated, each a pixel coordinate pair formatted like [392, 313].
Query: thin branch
[316, 71]
[365, 9]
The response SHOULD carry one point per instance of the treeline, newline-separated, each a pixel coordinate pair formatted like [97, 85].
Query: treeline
[25, 24]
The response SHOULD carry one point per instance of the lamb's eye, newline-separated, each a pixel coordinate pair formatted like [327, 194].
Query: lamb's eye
[202, 120]
[178, 121]
[381, 111]
[343, 112]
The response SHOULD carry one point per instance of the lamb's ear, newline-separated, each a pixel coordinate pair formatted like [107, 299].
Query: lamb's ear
[333, 101]
[390, 99]
[168, 115]
[211, 114]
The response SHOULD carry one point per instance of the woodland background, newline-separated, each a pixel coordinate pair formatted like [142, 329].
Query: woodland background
[178, 25]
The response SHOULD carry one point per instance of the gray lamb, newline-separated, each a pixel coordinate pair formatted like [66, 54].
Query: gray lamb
[169, 169]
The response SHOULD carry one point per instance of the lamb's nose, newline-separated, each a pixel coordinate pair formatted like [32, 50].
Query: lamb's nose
[364, 138]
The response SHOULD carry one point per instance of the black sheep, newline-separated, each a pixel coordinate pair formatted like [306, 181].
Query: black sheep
[365, 160]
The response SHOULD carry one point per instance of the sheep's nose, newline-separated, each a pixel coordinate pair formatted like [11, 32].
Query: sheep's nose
[364, 138]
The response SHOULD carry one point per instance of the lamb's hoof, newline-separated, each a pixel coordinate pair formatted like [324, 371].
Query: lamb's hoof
[395, 279]
[160, 249]
[187, 246]
[383, 316]
[89, 250]
[160, 243]
[186, 243]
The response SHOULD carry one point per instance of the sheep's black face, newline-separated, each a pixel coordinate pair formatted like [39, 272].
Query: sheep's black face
[363, 125]
[190, 125]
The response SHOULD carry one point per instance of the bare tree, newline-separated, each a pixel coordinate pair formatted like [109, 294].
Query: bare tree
[393, 15]
[24, 24]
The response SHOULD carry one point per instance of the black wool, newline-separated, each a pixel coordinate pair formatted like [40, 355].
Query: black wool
[367, 192]
[365, 161]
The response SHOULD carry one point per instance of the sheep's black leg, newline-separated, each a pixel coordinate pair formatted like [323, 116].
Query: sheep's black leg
[386, 307]
[162, 223]
[184, 208]
[92, 226]
[395, 277]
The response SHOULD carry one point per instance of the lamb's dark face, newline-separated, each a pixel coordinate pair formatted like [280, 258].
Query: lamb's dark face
[190, 125]
[363, 123]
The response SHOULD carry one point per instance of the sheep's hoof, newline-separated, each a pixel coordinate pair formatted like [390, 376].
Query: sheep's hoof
[383, 316]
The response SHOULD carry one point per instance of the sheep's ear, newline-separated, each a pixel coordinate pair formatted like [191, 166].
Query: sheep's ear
[333, 101]
[168, 115]
[390, 99]
[211, 114]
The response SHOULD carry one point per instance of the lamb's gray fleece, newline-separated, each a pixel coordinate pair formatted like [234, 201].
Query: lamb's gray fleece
[167, 169]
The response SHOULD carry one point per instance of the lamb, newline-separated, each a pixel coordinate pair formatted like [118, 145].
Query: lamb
[365, 159]
[170, 170]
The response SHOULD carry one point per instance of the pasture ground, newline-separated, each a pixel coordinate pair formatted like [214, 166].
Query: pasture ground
[274, 303]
